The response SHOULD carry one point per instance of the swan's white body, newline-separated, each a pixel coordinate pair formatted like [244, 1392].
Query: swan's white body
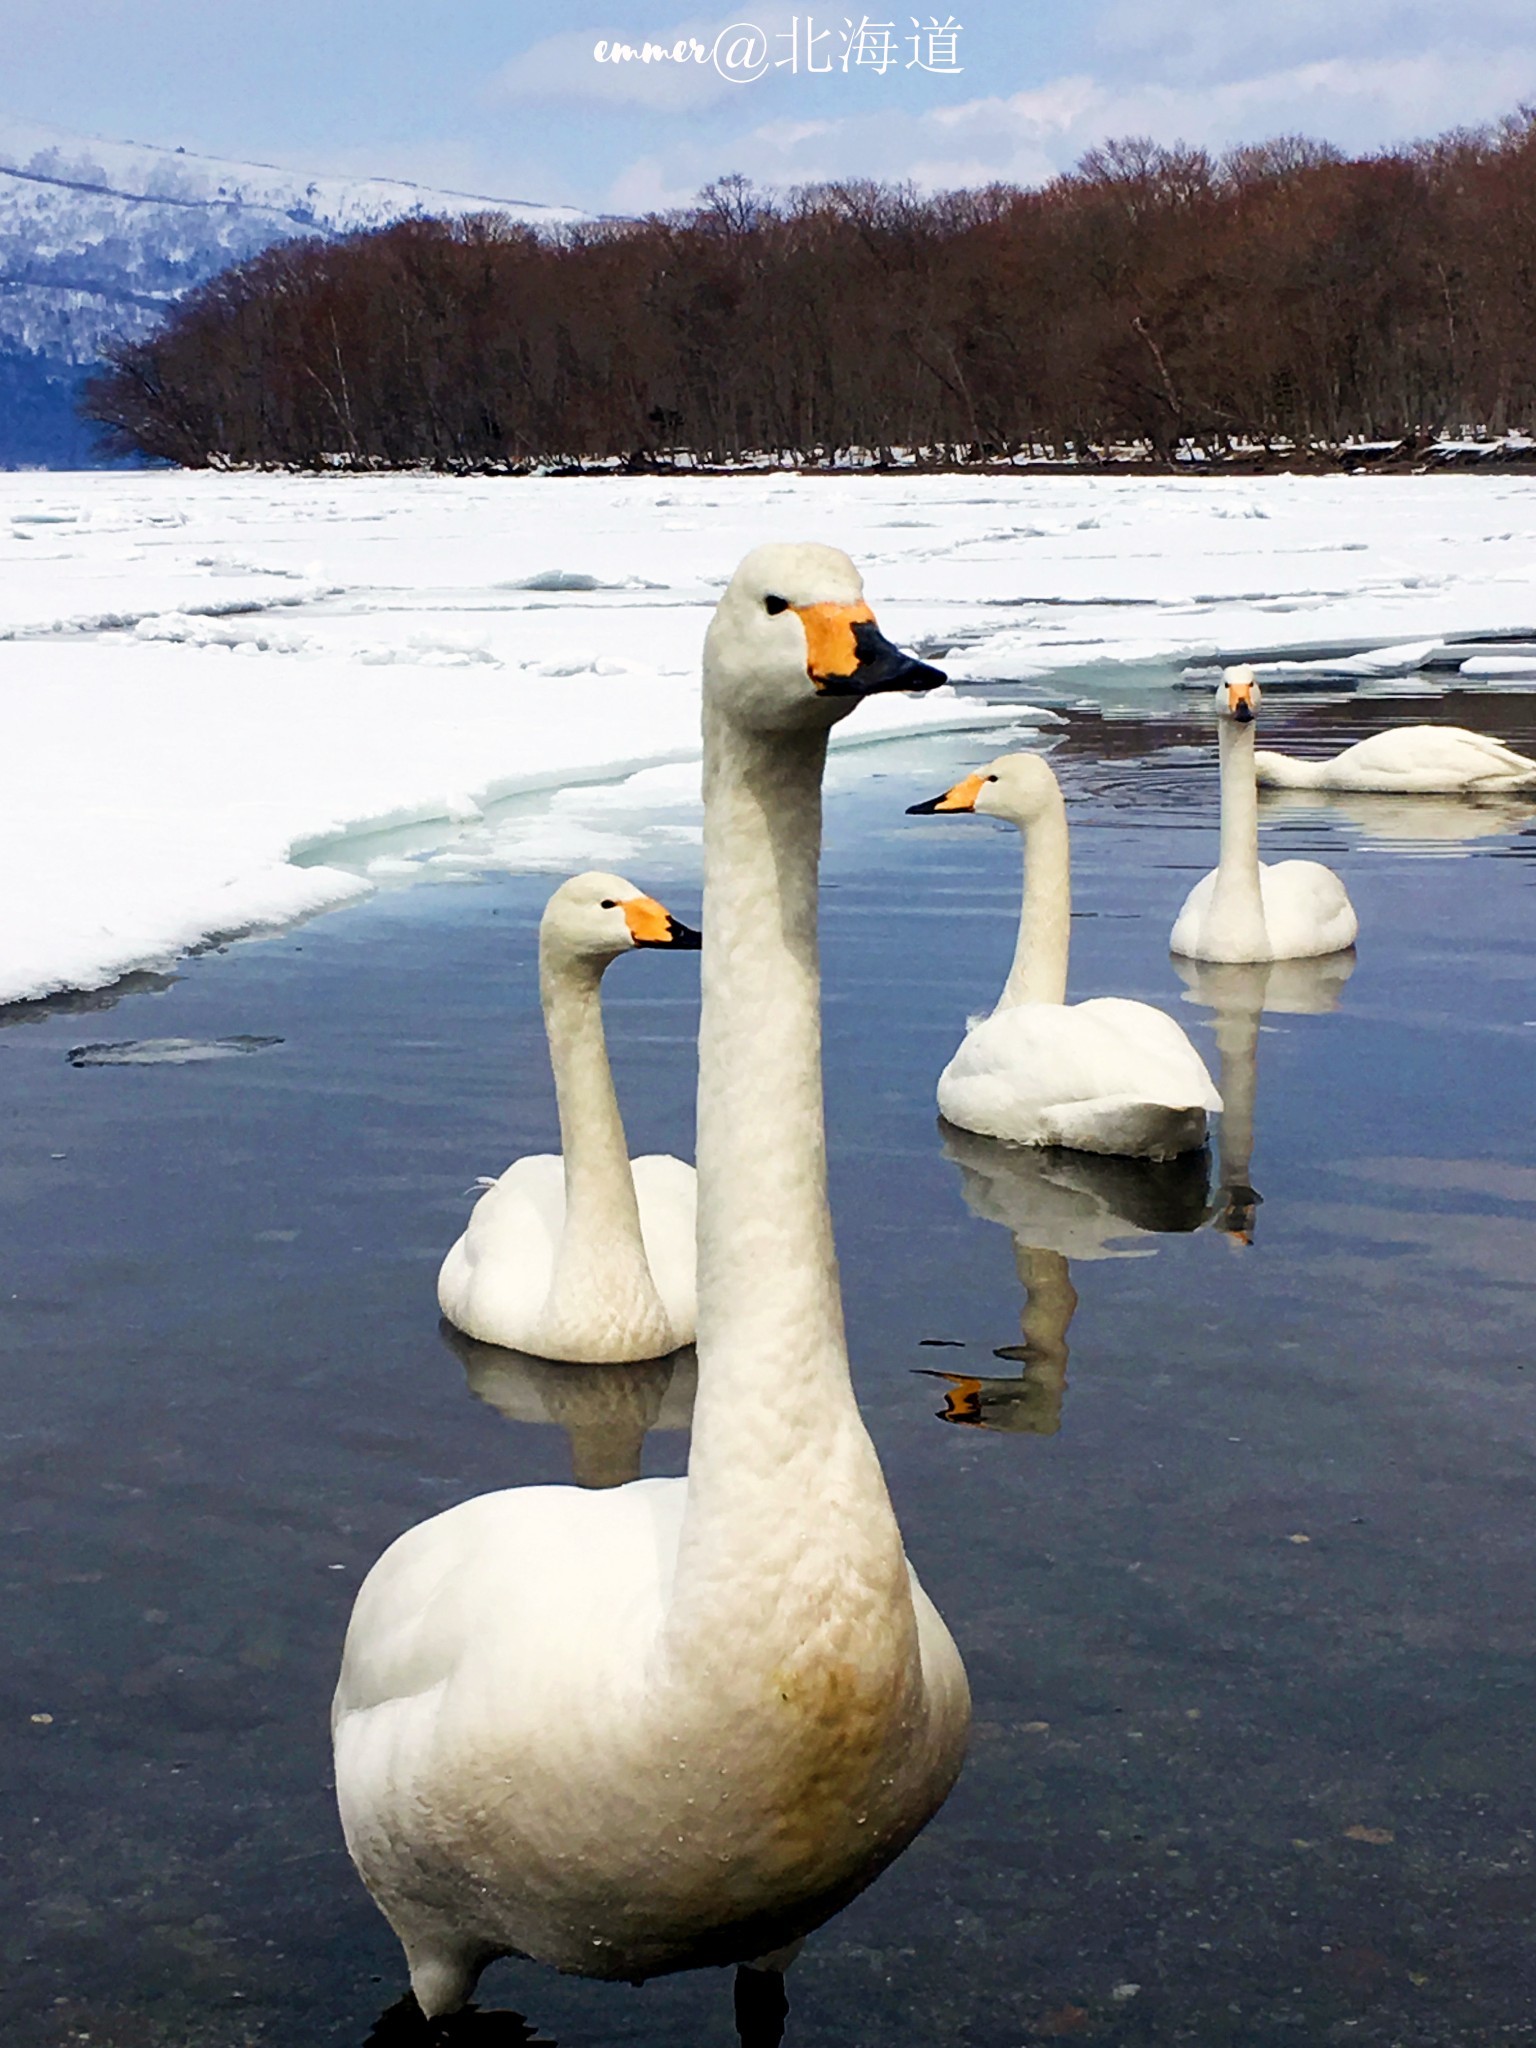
[1109, 1075]
[1244, 910]
[1410, 760]
[683, 1721]
[586, 1257]
[497, 1282]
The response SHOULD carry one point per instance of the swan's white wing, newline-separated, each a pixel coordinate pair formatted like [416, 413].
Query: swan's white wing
[1190, 922]
[1429, 758]
[1100, 1076]
[538, 1577]
[495, 1280]
[1307, 910]
[667, 1192]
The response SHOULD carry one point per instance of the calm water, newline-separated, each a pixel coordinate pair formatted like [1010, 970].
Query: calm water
[1244, 1582]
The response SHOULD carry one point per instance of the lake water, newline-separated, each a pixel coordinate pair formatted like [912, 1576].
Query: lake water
[1240, 1561]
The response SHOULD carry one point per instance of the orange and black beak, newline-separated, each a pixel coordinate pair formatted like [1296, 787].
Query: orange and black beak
[1240, 697]
[847, 655]
[961, 798]
[651, 924]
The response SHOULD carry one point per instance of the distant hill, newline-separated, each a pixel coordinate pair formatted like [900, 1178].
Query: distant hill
[98, 238]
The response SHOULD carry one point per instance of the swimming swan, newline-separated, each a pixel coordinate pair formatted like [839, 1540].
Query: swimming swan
[1104, 1076]
[682, 1722]
[586, 1257]
[1411, 760]
[1243, 910]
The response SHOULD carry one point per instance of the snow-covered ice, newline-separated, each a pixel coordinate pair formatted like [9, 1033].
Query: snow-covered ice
[215, 685]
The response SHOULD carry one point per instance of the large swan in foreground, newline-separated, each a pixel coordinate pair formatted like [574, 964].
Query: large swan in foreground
[684, 1721]
[1410, 760]
[1243, 910]
[586, 1257]
[1109, 1075]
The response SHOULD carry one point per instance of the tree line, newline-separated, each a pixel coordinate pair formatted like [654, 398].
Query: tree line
[1161, 300]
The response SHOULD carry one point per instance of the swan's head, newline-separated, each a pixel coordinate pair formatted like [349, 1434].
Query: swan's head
[1238, 695]
[596, 917]
[793, 643]
[1018, 787]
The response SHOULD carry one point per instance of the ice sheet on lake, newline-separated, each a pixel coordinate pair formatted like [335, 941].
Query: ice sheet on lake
[167, 1052]
[210, 680]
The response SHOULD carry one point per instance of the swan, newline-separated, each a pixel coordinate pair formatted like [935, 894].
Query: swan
[1243, 910]
[1239, 993]
[586, 1257]
[1103, 1076]
[683, 1721]
[1410, 760]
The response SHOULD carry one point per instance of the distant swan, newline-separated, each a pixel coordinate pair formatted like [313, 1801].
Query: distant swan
[1109, 1075]
[1243, 910]
[683, 1722]
[586, 1257]
[1410, 760]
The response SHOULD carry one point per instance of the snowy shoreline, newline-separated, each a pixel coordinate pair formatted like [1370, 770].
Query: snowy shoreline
[206, 676]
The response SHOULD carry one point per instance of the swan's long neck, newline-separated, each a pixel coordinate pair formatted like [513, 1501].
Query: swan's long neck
[785, 1494]
[1039, 971]
[1237, 903]
[602, 1218]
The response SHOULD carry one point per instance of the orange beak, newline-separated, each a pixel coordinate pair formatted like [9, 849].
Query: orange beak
[961, 798]
[847, 655]
[651, 924]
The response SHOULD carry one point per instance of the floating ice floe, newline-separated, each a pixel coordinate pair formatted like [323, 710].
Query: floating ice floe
[438, 664]
[167, 1052]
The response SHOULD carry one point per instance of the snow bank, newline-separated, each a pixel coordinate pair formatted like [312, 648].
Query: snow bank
[203, 677]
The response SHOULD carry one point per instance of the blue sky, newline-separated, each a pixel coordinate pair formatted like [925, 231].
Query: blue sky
[504, 98]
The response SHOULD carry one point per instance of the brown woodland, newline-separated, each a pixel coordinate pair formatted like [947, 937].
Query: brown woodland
[1155, 300]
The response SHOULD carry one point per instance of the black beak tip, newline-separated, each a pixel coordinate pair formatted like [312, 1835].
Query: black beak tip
[924, 810]
[684, 936]
[1243, 713]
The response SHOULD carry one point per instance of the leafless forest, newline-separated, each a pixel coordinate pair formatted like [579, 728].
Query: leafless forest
[1279, 297]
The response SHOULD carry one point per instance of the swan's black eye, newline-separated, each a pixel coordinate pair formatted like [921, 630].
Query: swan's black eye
[775, 604]
[991, 778]
[608, 904]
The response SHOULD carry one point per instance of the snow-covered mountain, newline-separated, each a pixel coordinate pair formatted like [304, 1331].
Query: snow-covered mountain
[98, 238]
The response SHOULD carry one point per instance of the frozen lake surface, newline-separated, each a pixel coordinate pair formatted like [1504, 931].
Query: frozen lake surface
[1240, 1557]
[215, 686]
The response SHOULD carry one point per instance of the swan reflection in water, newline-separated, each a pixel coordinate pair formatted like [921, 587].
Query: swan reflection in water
[606, 1411]
[1058, 1206]
[1438, 821]
[1239, 995]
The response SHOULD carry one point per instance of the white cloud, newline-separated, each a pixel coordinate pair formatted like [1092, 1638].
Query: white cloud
[1198, 40]
[1027, 137]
